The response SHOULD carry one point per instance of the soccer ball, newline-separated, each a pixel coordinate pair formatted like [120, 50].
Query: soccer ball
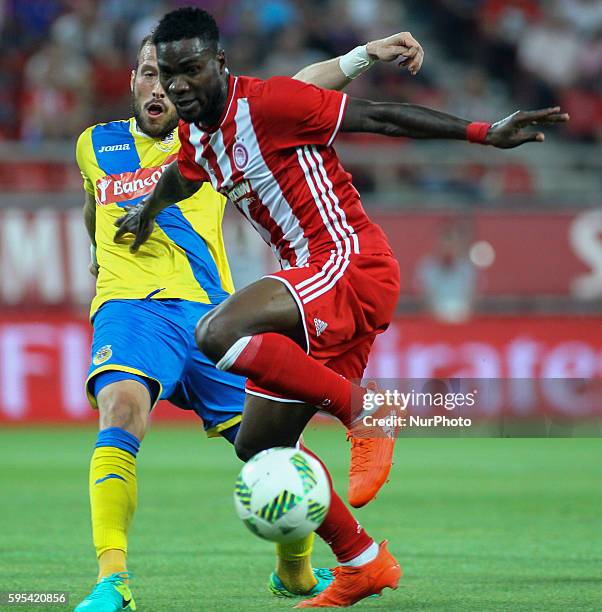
[282, 494]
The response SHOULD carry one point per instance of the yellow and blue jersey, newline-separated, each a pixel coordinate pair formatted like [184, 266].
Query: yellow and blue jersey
[185, 257]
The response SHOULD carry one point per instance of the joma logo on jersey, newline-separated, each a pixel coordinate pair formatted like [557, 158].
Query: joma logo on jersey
[129, 185]
[111, 148]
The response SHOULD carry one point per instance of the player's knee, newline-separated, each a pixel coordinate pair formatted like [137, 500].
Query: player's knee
[214, 335]
[124, 407]
[243, 450]
[246, 447]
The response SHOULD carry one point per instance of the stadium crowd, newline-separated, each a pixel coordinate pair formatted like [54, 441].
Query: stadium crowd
[71, 59]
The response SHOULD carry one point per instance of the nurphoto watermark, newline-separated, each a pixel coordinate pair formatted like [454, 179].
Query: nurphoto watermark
[479, 407]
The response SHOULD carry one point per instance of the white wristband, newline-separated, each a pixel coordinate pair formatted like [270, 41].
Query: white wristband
[93, 259]
[356, 62]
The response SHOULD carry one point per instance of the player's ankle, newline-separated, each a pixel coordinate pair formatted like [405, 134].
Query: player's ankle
[112, 561]
[296, 576]
[365, 557]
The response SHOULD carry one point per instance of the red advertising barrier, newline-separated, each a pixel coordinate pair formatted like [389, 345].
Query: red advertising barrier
[490, 347]
[44, 360]
[522, 366]
[533, 253]
[44, 357]
[44, 253]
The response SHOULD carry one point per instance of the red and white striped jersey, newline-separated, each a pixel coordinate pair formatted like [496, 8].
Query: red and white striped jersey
[271, 154]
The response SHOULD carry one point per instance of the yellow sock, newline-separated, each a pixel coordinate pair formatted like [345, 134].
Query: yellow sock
[294, 565]
[113, 495]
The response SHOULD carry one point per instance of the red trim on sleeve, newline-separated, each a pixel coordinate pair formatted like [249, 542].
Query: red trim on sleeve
[339, 120]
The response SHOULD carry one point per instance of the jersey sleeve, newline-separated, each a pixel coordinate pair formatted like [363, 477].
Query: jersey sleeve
[187, 165]
[296, 113]
[83, 151]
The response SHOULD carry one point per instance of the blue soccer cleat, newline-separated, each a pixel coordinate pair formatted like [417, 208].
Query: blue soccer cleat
[109, 595]
[324, 577]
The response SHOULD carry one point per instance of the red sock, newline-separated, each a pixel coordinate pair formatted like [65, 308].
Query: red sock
[345, 536]
[278, 364]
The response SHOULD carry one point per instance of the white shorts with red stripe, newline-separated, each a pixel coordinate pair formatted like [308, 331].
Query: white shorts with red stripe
[344, 305]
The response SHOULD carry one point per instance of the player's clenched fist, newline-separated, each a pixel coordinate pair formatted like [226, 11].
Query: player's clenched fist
[402, 46]
[137, 223]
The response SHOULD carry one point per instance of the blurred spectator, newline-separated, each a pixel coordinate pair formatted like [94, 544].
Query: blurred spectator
[483, 56]
[590, 63]
[110, 84]
[476, 97]
[57, 92]
[126, 11]
[290, 54]
[584, 16]
[11, 66]
[82, 30]
[273, 15]
[585, 108]
[143, 25]
[550, 50]
[447, 279]
[375, 18]
[507, 20]
[29, 20]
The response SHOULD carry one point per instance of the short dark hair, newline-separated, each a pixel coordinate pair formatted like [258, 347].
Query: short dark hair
[147, 40]
[187, 22]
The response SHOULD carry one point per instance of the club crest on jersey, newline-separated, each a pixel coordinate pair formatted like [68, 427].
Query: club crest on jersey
[167, 143]
[241, 156]
[104, 353]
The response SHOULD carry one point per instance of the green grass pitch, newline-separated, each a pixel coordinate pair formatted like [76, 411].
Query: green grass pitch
[477, 524]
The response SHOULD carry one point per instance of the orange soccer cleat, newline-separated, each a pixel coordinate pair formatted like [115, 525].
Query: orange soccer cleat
[351, 584]
[372, 448]
[371, 461]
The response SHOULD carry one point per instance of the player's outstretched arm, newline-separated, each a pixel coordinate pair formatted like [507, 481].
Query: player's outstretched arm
[140, 220]
[414, 121]
[337, 73]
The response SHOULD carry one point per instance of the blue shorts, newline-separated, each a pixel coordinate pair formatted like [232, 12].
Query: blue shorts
[154, 339]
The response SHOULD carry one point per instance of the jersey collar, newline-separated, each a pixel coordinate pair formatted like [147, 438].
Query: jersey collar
[136, 129]
[165, 142]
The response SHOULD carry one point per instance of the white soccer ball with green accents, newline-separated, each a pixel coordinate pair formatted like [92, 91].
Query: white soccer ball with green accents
[282, 494]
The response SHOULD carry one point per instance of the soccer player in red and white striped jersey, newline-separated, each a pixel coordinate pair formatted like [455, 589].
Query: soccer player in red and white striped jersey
[302, 334]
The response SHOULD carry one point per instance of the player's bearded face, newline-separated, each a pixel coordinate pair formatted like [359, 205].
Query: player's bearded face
[195, 78]
[154, 113]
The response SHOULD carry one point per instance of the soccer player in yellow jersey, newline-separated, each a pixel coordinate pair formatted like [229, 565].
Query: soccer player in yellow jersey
[146, 308]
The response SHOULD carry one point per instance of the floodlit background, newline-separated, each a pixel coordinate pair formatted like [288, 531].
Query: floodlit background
[501, 260]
